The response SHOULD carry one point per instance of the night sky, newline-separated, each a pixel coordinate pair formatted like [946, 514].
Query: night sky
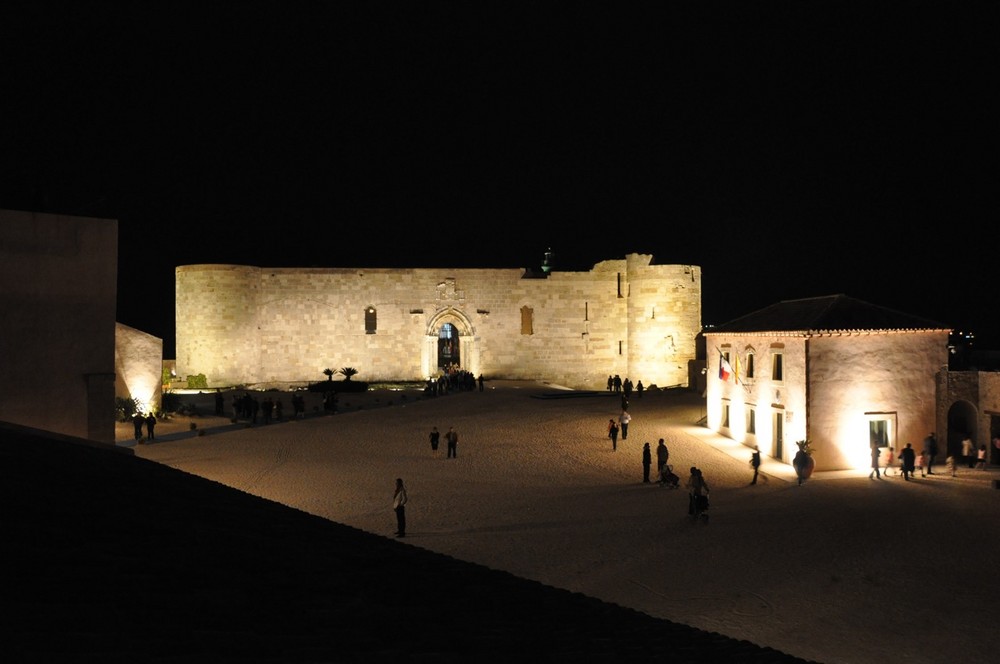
[790, 149]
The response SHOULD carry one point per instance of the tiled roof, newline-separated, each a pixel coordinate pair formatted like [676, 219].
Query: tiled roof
[831, 313]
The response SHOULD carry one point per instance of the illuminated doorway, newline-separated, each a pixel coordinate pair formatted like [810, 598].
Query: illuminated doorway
[449, 348]
[778, 434]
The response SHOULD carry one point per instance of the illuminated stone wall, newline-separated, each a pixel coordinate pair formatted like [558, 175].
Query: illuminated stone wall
[832, 386]
[138, 367]
[243, 325]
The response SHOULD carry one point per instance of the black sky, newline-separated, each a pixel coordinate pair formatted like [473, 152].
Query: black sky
[790, 149]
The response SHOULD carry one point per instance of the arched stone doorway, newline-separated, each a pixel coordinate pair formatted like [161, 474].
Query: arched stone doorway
[450, 341]
[961, 423]
[449, 352]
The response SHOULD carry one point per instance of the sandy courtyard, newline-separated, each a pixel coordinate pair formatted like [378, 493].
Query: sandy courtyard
[841, 569]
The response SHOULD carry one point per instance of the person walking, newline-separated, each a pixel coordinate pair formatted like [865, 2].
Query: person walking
[889, 457]
[931, 450]
[623, 421]
[755, 463]
[874, 474]
[150, 426]
[435, 438]
[451, 438]
[908, 457]
[981, 458]
[697, 494]
[922, 464]
[639, 388]
[662, 454]
[647, 461]
[968, 451]
[399, 499]
[613, 433]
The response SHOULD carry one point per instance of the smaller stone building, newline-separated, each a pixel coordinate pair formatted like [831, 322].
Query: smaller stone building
[58, 293]
[842, 373]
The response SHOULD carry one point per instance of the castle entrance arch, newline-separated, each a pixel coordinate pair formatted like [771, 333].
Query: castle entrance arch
[449, 349]
[450, 341]
[961, 423]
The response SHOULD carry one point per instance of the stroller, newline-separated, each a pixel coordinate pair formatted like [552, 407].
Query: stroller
[668, 478]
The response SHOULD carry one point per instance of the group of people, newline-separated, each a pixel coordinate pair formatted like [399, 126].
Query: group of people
[451, 440]
[618, 426]
[910, 461]
[624, 387]
[662, 456]
[148, 421]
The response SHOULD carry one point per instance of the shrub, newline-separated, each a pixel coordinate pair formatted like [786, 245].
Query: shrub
[197, 382]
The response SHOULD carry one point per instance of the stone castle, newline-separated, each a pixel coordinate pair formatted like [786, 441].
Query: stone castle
[276, 327]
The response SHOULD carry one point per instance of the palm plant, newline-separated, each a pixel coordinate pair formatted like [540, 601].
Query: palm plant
[347, 372]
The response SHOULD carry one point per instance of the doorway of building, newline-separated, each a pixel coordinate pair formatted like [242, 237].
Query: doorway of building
[449, 348]
[778, 434]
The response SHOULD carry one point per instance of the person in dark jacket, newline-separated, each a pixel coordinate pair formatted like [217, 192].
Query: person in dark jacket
[647, 461]
[909, 457]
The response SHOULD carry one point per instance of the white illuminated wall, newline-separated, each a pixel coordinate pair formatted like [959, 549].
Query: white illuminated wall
[138, 367]
[833, 386]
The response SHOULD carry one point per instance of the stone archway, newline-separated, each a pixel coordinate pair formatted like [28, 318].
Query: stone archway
[468, 347]
[962, 418]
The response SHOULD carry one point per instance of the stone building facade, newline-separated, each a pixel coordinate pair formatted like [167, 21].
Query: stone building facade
[58, 289]
[842, 373]
[968, 404]
[256, 326]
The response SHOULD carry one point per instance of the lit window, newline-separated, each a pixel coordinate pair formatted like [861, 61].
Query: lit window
[370, 321]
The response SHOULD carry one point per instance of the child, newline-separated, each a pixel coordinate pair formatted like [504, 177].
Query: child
[889, 456]
[981, 458]
[921, 460]
[949, 464]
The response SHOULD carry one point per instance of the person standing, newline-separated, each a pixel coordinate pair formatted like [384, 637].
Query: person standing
[451, 438]
[908, 456]
[968, 451]
[435, 439]
[931, 450]
[399, 499]
[150, 425]
[874, 474]
[755, 463]
[647, 461]
[137, 423]
[623, 421]
[639, 388]
[662, 454]
[613, 433]
[697, 494]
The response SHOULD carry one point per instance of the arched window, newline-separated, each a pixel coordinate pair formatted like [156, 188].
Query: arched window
[371, 320]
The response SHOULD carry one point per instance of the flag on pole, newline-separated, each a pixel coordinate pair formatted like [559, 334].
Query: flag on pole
[725, 369]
